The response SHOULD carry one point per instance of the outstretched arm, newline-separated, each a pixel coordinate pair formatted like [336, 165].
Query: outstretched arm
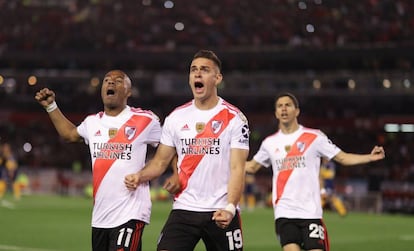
[154, 168]
[348, 159]
[65, 128]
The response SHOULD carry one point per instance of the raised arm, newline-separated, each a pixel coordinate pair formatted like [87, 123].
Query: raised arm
[65, 128]
[348, 159]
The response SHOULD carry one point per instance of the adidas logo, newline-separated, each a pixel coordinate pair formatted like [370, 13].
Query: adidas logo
[185, 128]
[98, 133]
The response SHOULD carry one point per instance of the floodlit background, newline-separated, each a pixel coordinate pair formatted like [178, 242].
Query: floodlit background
[350, 63]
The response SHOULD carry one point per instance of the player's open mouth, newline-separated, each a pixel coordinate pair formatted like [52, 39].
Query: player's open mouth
[198, 85]
[110, 92]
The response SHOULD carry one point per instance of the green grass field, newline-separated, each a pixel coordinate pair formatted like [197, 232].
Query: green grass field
[52, 223]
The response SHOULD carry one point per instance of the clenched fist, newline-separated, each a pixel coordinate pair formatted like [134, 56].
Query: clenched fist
[132, 181]
[45, 97]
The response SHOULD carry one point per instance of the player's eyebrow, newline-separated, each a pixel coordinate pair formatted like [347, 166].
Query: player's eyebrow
[203, 67]
[116, 78]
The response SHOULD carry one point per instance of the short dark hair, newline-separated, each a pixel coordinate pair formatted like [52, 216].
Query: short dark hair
[290, 95]
[209, 55]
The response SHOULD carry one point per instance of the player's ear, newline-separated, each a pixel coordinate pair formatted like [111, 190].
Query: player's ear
[128, 86]
[219, 78]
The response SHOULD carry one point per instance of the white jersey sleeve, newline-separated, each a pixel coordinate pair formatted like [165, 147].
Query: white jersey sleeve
[262, 156]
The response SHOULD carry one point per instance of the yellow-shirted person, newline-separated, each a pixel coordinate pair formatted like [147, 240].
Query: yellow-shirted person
[8, 171]
[328, 195]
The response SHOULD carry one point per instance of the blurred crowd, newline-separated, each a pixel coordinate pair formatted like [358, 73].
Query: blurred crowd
[128, 25]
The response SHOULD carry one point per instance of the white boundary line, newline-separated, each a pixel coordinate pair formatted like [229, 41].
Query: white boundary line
[7, 204]
[17, 248]
[407, 237]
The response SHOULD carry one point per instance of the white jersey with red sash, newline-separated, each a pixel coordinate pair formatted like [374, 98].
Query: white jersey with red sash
[118, 146]
[203, 139]
[295, 161]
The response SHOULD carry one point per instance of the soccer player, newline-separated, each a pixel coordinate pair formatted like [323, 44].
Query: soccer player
[3, 174]
[117, 139]
[9, 169]
[211, 139]
[295, 152]
[328, 194]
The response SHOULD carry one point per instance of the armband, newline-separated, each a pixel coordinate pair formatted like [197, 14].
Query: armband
[51, 107]
[231, 208]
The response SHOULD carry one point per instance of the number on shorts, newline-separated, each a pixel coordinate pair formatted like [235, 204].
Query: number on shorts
[127, 238]
[235, 239]
[317, 231]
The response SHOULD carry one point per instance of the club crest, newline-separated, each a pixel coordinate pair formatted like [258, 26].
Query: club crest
[112, 132]
[301, 146]
[130, 132]
[216, 126]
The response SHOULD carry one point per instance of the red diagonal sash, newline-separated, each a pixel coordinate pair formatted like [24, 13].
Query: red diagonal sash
[101, 166]
[190, 162]
[298, 149]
